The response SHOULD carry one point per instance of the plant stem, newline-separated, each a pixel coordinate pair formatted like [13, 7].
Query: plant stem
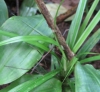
[56, 30]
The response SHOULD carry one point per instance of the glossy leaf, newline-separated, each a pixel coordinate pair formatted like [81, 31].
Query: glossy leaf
[87, 79]
[16, 59]
[3, 12]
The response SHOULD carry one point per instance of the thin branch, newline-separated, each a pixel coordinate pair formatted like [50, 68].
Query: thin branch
[50, 22]
[41, 60]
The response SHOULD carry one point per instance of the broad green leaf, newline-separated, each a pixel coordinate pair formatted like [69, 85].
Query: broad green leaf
[73, 31]
[3, 12]
[32, 84]
[28, 8]
[87, 79]
[85, 22]
[89, 44]
[16, 59]
[87, 31]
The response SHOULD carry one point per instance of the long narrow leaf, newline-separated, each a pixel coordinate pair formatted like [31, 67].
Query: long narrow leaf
[86, 33]
[28, 39]
[73, 32]
[84, 24]
[89, 44]
[29, 85]
[91, 59]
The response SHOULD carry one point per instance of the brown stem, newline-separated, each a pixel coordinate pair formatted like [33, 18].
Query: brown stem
[51, 24]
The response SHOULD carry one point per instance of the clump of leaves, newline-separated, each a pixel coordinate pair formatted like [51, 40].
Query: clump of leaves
[23, 41]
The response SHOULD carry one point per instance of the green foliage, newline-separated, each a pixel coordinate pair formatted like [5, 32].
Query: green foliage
[87, 79]
[73, 31]
[20, 56]
[29, 85]
[25, 38]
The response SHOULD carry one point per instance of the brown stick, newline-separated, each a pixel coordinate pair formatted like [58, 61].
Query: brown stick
[50, 22]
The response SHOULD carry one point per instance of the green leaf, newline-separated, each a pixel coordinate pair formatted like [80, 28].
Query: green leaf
[36, 38]
[52, 85]
[73, 31]
[21, 80]
[87, 79]
[32, 84]
[86, 33]
[54, 63]
[86, 20]
[3, 12]
[91, 59]
[16, 59]
[28, 8]
[89, 44]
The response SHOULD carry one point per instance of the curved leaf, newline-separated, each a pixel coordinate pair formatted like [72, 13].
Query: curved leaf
[87, 79]
[27, 39]
[16, 59]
